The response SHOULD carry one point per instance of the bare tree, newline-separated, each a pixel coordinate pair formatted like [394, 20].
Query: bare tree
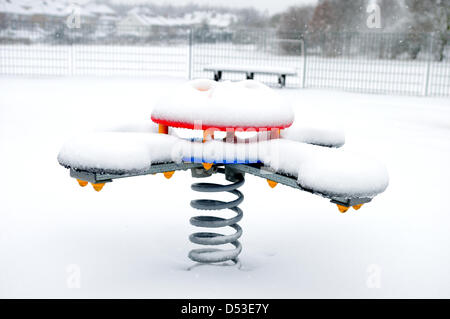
[292, 26]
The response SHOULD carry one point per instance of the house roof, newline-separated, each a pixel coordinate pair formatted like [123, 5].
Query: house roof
[98, 8]
[147, 18]
[58, 8]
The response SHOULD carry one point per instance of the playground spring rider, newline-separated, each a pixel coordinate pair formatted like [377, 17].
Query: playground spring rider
[228, 107]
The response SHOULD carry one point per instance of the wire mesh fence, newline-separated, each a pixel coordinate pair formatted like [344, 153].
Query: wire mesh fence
[92, 50]
[415, 64]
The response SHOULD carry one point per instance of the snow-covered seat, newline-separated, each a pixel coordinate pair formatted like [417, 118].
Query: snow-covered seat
[316, 135]
[205, 104]
[334, 172]
[116, 152]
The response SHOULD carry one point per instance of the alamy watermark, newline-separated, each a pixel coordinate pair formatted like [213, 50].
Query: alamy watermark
[73, 279]
[256, 148]
[73, 21]
[373, 276]
[374, 18]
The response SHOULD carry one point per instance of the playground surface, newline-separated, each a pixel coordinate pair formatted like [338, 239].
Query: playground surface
[130, 240]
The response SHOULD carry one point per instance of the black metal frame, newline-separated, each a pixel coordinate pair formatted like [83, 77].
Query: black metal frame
[249, 75]
[254, 169]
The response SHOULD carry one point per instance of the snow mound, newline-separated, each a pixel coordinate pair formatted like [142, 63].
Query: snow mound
[330, 171]
[224, 104]
[116, 152]
[323, 136]
[343, 174]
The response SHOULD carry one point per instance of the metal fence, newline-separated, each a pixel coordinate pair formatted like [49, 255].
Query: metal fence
[362, 62]
[93, 50]
[414, 64]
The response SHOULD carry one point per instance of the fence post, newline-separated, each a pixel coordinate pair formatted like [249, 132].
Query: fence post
[68, 34]
[190, 54]
[304, 61]
[427, 75]
[71, 58]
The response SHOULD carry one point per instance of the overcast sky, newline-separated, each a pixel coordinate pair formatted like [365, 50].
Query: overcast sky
[273, 6]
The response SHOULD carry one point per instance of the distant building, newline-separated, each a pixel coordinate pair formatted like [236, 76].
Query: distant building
[11, 10]
[132, 24]
[100, 13]
[143, 22]
[50, 11]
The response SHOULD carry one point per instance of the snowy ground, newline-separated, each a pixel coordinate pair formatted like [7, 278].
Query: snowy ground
[130, 240]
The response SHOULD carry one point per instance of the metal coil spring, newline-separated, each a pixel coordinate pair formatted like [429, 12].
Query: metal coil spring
[215, 255]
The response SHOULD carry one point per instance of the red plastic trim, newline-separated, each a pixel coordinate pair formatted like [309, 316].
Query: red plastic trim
[215, 127]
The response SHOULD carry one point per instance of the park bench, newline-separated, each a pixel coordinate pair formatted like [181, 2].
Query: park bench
[250, 71]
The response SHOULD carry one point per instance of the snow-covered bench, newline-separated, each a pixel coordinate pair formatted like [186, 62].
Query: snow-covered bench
[250, 71]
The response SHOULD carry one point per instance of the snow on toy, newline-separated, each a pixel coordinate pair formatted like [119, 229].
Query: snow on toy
[307, 159]
[223, 105]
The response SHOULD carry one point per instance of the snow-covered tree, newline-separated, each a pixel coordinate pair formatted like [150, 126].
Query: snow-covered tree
[339, 15]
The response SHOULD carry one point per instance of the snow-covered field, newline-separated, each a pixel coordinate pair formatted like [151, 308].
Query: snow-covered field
[130, 240]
